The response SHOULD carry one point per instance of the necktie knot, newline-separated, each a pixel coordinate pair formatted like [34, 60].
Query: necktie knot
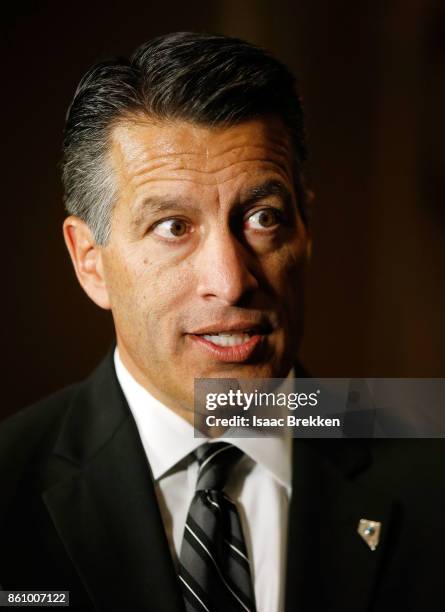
[215, 462]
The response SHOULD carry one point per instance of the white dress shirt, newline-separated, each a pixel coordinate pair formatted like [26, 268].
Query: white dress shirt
[260, 485]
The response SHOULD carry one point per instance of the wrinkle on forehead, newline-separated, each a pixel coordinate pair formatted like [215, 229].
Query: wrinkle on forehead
[206, 177]
[145, 152]
[149, 141]
[194, 160]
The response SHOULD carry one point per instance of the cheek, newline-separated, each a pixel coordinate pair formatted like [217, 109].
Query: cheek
[151, 295]
[288, 279]
[286, 268]
[166, 297]
[124, 279]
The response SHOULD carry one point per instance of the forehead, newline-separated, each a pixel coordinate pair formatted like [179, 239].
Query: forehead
[146, 153]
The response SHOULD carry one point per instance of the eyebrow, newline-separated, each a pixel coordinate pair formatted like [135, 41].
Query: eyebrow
[160, 204]
[269, 188]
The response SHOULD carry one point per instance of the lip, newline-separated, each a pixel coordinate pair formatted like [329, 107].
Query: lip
[229, 354]
[236, 326]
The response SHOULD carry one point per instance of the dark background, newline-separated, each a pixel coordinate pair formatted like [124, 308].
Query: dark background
[372, 77]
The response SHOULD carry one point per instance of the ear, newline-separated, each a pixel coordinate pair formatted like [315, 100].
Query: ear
[86, 256]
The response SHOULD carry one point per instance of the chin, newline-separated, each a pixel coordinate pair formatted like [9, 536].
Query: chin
[267, 370]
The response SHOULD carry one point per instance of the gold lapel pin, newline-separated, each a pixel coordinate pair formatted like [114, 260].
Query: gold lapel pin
[369, 531]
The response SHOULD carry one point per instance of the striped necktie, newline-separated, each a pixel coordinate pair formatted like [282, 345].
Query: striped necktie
[214, 567]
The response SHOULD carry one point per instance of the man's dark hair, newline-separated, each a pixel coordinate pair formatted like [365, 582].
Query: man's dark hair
[208, 80]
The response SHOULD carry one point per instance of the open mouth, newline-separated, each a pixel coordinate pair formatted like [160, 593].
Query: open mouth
[229, 338]
[231, 345]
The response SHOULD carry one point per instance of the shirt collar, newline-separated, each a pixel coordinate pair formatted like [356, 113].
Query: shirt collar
[167, 438]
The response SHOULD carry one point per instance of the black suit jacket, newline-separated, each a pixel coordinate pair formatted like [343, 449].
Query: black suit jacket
[78, 512]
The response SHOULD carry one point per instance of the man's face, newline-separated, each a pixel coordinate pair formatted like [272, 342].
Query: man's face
[205, 261]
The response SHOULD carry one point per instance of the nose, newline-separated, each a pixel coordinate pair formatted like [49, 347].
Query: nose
[223, 269]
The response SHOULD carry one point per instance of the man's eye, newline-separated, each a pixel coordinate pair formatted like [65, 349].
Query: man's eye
[264, 218]
[171, 228]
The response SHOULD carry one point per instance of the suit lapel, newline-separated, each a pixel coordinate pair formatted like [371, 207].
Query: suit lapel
[106, 512]
[101, 499]
[329, 565]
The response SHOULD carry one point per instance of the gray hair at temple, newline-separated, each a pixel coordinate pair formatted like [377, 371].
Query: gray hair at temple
[208, 80]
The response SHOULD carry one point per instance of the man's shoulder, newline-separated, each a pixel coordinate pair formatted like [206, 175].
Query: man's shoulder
[35, 426]
[411, 467]
[56, 436]
[38, 423]
[40, 414]
[408, 457]
[407, 469]
[27, 439]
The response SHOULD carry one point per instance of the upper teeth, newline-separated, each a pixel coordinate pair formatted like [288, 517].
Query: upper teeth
[227, 339]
